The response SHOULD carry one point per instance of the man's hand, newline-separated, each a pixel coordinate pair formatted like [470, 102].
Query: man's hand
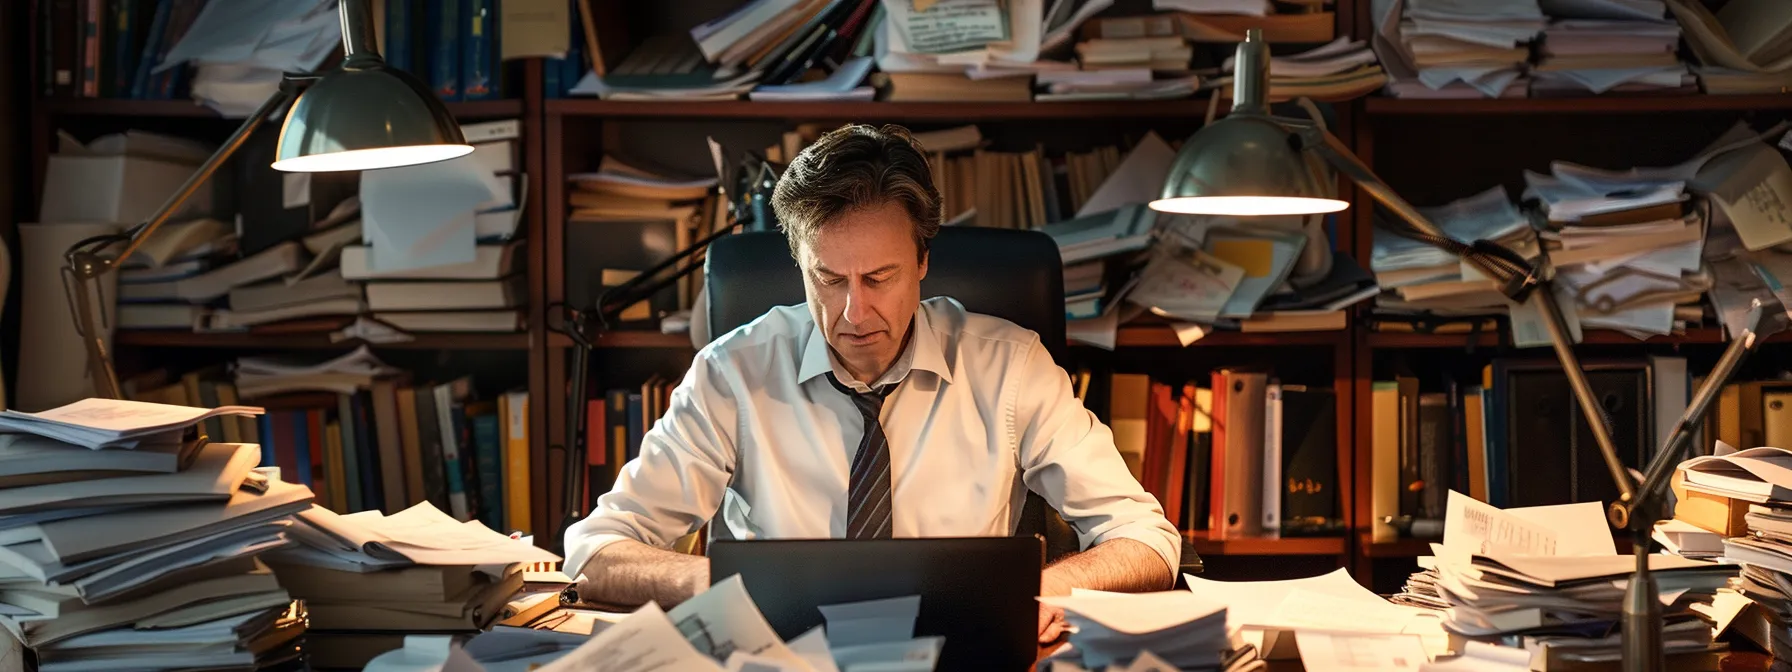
[1051, 623]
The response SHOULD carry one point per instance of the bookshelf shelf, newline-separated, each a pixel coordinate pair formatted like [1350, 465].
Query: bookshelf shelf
[1161, 336]
[1377, 106]
[633, 339]
[964, 113]
[313, 341]
[1204, 544]
[1404, 548]
[1698, 336]
[105, 107]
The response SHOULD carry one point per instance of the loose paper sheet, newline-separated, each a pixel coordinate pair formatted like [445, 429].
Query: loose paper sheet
[948, 25]
[646, 641]
[888, 620]
[724, 619]
[423, 215]
[529, 28]
[1354, 652]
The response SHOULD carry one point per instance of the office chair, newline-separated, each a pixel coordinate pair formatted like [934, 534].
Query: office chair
[1015, 275]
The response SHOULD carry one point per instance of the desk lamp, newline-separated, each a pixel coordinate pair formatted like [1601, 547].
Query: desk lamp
[1253, 164]
[365, 115]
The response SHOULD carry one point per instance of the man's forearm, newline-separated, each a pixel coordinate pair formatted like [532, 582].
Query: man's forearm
[1119, 565]
[630, 573]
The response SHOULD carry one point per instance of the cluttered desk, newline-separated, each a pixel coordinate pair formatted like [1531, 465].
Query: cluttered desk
[126, 537]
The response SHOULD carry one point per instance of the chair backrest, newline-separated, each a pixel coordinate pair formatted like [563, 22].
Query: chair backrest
[1015, 275]
[1012, 274]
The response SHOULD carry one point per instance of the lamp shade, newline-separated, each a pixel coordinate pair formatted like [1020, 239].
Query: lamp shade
[365, 116]
[1246, 163]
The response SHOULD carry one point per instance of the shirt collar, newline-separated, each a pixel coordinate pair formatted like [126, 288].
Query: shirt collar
[922, 353]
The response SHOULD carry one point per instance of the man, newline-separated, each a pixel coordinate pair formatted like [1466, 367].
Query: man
[871, 414]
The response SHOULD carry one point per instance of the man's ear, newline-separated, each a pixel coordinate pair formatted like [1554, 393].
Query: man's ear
[923, 265]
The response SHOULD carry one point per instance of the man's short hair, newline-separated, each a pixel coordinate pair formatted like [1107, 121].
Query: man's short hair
[852, 168]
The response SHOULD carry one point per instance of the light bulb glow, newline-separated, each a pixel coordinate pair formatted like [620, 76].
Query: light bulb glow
[1248, 206]
[372, 159]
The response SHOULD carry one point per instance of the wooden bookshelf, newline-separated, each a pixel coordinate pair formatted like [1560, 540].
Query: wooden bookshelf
[147, 338]
[107, 107]
[958, 113]
[1403, 548]
[1204, 543]
[1610, 104]
[1696, 336]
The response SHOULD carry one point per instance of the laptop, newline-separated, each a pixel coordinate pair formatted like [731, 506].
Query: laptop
[978, 593]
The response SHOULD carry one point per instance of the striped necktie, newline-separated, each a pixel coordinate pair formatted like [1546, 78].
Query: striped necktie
[868, 490]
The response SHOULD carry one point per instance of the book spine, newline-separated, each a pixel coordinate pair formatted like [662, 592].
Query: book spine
[444, 49]
[429, 449]
[152, 45]
[487, 446]
[617, 419]
[124, 48]
[264, 435]
[302, 448]
[350, 459]
[90, 48]
[63, 17]
[515, 407]
[450, 446]
[372, 495]
[398, 35]
[478, 68]
[637, 425]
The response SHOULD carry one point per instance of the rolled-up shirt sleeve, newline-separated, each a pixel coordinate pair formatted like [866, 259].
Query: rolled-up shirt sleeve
[1068, 457]
[677, 482]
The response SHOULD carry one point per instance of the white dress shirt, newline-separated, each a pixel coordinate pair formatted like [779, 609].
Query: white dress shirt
[980, 415]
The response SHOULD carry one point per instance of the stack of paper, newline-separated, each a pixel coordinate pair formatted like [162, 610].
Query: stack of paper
[1184, 630]
[1600, 46]
[243, 48]
[1741, 49]
[1421, 278]
[123, 537]
[1458, 48]
[270, 375]
[1551, 575]
[1270, 613]
[1340, 70]
[369, 579]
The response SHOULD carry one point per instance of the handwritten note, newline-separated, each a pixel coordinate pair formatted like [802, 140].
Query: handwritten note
[1753, 187]
[945, 26]
[1194, 289]
[1472, 527]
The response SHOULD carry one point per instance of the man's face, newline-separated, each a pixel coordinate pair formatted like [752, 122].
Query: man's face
[862, 275]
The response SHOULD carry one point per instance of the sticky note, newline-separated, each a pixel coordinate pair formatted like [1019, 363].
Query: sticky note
[1256, 257]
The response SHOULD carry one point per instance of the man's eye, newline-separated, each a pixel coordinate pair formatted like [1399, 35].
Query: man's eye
[830, 282]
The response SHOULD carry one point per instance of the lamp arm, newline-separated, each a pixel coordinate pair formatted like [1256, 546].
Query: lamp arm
[617, 299]
[1488, 257]
[86, 262]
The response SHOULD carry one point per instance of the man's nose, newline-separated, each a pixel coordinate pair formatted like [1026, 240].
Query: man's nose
[858, 308]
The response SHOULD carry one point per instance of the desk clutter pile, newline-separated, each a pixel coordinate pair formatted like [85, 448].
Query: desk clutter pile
[969, 50]
[1646, 251]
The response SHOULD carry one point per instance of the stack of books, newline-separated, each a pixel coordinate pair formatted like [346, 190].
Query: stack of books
[1757, 479]
[369, 580]
[1610, 48]
[1550, 578]
[1120, 68]
[1340, 70]
[1462, 49]
[133, 539]
[1746, 47]
[1175, 630]
[625, 219]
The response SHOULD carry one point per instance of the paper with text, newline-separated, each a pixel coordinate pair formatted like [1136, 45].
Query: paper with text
[949, 25]
[1357, 652]
[1472, 527]
[646, 641]
[1304, 609]
[724, 619]
[1483, 657]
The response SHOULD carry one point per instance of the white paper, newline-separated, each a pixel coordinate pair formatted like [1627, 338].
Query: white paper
[423, 215]
[872, 622]
[295, 190]
[916, 655]
[724, 619]
[1472, 527]
[1305, 609]
[1139, 613]
[1101, 331]
[813, 648]
[1355, 652]
[1753, 186]
[1483, 657]
[1254, 603]
[646, 641]
[1182, 290]
[1188, 332]
[1138, 179]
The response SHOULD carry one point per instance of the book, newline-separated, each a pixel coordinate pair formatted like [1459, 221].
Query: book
[470, 295]
[272, 262]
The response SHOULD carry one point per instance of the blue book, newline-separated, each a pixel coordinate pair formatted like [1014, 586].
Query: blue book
[264, 431]
[479, 63]
[442, 38]
[302, 447]
[124, 30]
[636, 428]
[487, 446]
[372, 493]
[152, 49]
[398, 35]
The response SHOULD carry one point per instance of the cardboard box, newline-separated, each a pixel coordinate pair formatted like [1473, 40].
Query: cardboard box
[1715, 513]
[121, 178]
